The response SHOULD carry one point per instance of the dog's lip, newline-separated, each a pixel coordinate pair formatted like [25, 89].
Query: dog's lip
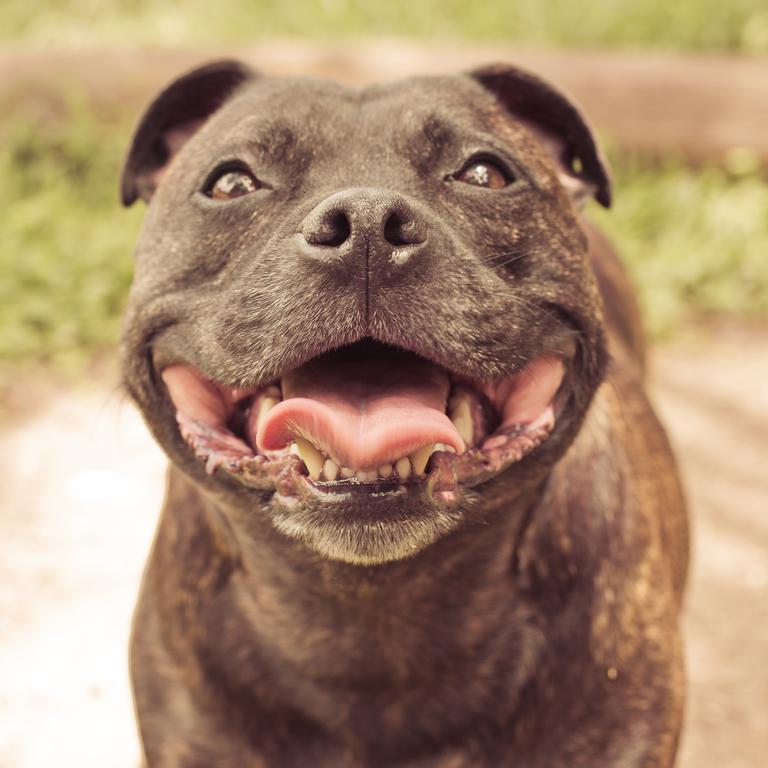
[223, 451]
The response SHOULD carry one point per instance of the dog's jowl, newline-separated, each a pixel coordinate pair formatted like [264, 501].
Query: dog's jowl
[419, 510]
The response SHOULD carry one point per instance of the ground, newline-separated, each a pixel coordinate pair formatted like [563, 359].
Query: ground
[83, 483]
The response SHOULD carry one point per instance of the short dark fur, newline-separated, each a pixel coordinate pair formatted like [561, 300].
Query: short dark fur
[537, 623]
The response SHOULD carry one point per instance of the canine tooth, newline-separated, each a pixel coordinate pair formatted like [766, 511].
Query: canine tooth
[403, 468]
[366, 475]
[457, 400]
[330, 470]
[464, 428]
[295, 450]
[346, 473]
[311, 457]
[461, 417]
[266, 405]
[386, 470]
[420, 458]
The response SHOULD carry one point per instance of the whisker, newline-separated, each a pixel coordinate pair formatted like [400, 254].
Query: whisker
[532, 306]
[515, 254]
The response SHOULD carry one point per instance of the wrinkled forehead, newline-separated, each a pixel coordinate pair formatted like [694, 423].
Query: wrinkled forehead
[278, 115]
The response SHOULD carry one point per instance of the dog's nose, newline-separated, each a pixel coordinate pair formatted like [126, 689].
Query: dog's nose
[377, 228]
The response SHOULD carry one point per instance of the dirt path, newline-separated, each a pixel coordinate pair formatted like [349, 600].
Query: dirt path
[712, 392]
[83, 482]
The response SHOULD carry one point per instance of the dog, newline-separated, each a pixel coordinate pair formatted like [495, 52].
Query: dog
[419, 510]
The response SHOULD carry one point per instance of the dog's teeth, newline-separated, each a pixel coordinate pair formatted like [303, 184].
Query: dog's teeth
[330, 470]
[420, 458]
[403, 468]
[366, 475]
[295, 450]
[266, 405]
[442, 447]
[461, 416]
[346, 473]
[386, 470]
[311, 457]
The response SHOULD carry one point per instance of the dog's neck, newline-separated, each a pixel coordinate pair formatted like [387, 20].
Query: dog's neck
[324, 617]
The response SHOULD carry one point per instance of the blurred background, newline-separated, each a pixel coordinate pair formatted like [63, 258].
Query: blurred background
[679, 95]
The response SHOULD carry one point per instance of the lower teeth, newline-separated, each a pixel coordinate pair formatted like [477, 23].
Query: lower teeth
[320, 467]
[403, 468]
[330, 470]
[311, 457]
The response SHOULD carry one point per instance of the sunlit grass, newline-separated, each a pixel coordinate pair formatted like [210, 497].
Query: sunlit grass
[713, 25]
[66, 255]
[696, 241]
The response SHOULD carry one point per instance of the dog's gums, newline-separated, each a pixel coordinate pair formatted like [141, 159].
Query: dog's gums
[367, 419]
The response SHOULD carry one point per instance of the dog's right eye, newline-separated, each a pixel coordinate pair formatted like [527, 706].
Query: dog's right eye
[232, 184]
[484, 173]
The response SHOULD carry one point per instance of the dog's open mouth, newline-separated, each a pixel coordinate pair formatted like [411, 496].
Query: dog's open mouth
[368, 418]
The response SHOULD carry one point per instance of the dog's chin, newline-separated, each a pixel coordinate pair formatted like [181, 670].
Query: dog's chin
[371, 530]
[368, 451]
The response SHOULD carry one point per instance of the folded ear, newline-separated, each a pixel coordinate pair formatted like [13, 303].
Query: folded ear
[176, 113]
[557, 124]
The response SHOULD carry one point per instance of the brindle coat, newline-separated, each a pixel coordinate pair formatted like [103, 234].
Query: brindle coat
[542, 630]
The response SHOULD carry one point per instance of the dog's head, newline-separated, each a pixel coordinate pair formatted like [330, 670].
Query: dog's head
[353, 306]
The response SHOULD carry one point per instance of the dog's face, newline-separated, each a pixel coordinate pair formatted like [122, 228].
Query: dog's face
[356, 311]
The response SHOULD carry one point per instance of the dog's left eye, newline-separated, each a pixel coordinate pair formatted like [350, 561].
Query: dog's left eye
[232, 184]
[484, 173]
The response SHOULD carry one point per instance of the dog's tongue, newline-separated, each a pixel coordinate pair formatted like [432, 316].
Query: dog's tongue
[362, 409]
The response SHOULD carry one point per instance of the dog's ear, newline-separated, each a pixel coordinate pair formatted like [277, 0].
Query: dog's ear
[178, 111]
[557, 124]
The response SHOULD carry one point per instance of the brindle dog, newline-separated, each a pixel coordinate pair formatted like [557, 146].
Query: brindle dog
[419, 509]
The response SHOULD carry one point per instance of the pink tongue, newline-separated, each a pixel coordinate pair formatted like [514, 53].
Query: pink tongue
[521, 399]
[362, 412]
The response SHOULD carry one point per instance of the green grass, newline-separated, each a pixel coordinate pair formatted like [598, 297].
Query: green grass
[66, 255]
[699, 25]
[696, 241]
